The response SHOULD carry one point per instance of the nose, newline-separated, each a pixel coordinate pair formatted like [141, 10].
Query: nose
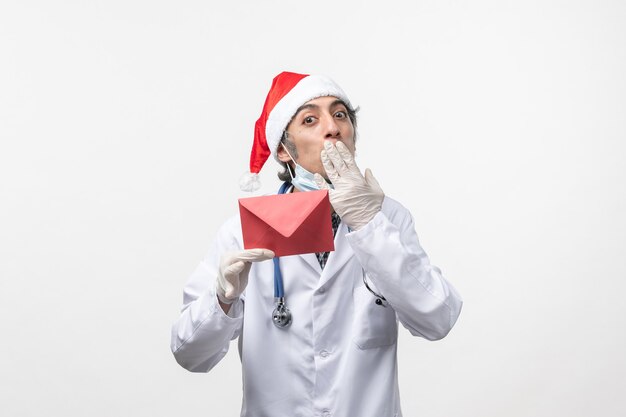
[332, 128]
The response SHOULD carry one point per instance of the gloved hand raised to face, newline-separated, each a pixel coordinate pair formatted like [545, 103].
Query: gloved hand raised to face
[356, 198]
[232, 278]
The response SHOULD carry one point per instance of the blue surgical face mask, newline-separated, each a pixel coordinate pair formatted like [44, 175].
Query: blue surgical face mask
[302, 179]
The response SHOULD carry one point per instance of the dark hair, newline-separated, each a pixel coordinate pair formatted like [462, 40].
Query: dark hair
[291, 147]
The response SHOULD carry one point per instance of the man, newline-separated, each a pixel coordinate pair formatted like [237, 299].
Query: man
[338, 357]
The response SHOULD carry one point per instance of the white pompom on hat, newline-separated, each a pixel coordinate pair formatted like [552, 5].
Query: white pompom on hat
[289, 91]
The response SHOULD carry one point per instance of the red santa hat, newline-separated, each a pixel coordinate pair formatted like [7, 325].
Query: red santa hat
[289, 91]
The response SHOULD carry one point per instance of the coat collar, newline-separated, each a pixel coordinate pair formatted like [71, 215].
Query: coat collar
[311, 260]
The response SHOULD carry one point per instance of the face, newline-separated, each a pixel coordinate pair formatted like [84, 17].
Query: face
[323, 118]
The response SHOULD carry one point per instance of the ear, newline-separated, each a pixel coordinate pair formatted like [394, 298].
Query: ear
[282, 154]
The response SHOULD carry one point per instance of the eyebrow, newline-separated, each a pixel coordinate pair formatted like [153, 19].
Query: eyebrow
[316, 107]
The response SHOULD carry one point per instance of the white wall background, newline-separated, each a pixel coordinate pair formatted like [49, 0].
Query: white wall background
[125, 125]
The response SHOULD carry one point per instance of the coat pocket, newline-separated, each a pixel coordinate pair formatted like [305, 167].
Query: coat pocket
[374, 325]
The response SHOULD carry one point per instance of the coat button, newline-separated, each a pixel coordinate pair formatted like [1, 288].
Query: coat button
[326, 413]
[324, 353]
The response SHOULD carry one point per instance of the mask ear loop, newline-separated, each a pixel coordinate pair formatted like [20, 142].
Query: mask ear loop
[289, 166]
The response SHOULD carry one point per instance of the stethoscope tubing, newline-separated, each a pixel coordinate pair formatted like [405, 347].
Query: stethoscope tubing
[279, 291]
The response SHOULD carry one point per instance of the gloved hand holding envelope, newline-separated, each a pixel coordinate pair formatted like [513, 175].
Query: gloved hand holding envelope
[288, 224]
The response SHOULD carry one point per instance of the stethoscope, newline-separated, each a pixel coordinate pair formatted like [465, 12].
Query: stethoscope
[281, 316]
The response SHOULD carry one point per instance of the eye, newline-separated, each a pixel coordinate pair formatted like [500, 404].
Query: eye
[341, 114]
[308, 120]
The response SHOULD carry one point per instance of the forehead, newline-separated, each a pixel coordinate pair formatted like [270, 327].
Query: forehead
[320, 103]
[324, 101]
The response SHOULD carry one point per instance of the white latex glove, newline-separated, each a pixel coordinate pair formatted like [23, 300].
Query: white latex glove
[356, 198]
[232, 278]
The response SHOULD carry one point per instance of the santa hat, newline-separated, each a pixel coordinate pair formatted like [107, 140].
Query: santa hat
[289, 91]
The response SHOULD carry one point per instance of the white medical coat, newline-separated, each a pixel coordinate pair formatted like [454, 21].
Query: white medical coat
[339, 355]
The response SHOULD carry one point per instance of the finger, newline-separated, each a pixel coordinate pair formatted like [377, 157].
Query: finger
[371, 181]
[254, 255]
[243, 276]
[234, 269]
[321, 182]
[346, 155]
[335, 158]
[231, 279]
[331, 172]
[229, 290]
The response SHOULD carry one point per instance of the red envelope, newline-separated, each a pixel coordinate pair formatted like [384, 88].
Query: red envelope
[288, 224]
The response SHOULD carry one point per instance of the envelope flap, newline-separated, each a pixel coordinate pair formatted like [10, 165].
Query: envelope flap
[284, 212]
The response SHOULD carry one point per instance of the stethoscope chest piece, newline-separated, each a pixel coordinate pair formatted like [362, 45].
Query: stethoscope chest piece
[281, 316]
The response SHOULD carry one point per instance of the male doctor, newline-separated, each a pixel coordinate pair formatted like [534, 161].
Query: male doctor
[338, 357]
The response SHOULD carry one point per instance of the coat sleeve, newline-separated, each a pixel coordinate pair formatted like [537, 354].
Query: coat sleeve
[391, 255]
[201, 336]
